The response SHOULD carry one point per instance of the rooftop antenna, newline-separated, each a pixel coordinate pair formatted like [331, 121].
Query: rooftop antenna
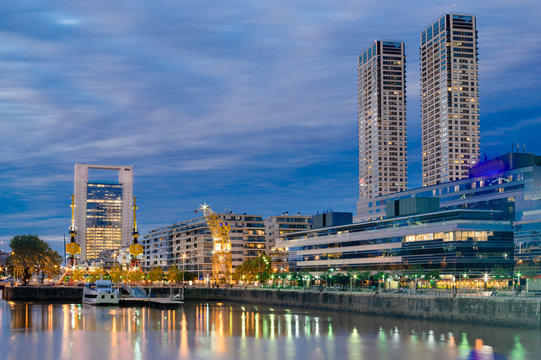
[454, 8]
[518, 147]
[523, 148]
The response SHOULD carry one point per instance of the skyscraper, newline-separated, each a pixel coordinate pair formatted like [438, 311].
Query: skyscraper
[103, 210]
[449, 98]
[382, 121]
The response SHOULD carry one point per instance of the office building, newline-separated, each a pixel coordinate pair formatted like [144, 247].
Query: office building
[449, 99]
[382, 121]
[103, 210]
[510, 183]
[451, 241]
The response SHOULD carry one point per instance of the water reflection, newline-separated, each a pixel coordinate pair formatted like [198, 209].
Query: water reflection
[230, 331]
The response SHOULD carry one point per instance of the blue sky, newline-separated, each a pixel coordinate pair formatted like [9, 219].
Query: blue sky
[247, 105]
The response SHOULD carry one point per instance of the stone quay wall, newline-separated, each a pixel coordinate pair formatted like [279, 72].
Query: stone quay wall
[502, 311]
[520, 312]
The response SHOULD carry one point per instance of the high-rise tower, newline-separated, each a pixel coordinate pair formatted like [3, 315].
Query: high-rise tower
[103, 210]
[382, 122]
[449, 98]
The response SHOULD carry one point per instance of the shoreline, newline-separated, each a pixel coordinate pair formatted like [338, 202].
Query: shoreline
[497, 311]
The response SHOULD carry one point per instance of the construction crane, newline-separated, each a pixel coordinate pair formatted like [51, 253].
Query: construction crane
[72, 248]
[136, 250]
[221, 252]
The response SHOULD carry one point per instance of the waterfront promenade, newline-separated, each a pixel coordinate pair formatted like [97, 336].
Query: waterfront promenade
[488, 310]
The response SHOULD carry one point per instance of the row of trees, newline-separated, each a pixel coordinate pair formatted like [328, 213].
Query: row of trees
[117, 274]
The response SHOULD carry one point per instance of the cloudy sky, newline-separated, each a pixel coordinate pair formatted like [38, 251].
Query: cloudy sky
[248, 105]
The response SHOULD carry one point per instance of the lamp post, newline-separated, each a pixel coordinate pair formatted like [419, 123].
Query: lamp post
[114, 258]
[183, 267]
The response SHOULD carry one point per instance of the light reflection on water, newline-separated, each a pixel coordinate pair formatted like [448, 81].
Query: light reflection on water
[232, 331]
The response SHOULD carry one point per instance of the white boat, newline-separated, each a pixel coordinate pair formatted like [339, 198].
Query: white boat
[100, 293]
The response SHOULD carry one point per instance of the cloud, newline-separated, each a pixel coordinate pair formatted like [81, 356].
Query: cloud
[251, 104]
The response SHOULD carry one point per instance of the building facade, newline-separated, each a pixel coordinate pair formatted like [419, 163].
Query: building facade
[277, 226]
[382, 120]
[189, 244]
[452, 241]
[510, 183]
[449, 98]
[103, 210]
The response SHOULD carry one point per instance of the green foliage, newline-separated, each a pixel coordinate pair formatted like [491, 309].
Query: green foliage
[253, 269]
[500, 273]
[173, 274]
[527, 271]
[415, 272]
[156, 274]
[31, 255]
[135, 275]
[117, 274]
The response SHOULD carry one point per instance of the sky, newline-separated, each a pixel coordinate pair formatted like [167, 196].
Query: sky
[245, 105]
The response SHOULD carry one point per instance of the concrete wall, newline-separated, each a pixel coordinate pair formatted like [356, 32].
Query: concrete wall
[483, 310]
[521, 312]
[43, 293]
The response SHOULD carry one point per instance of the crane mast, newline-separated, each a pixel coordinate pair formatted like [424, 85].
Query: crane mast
[221, 253]
[136, 250]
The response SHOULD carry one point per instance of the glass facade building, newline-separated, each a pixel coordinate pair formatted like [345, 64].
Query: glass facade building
[103, 209]
[510, 183]
[103, 218]
[451, 241]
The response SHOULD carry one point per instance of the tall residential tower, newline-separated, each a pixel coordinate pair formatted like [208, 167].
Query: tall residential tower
[449, 98]
[103, 210]
[382, 122]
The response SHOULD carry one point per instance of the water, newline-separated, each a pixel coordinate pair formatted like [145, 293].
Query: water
[235, 331]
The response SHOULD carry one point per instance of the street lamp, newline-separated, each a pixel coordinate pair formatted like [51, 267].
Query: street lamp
[183, 267]
[114, 258]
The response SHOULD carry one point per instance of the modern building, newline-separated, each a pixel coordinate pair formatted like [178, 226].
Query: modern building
[189, 244]
[449, 99]
[103, 210]
[452, 241]
[382, 121]
[277, 226]
[510, 183]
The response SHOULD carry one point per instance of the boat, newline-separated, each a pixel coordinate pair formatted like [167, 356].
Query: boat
[100, 293]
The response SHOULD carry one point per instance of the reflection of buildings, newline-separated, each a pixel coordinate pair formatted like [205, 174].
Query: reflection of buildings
[103, 210]
[469, 223]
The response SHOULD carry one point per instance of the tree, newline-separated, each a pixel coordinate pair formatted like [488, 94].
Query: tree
[253, 269]
[415, 272]
[78, 275]
[135, 275]
[174, 275]
[31, 255]
[156, 274]
[116, 274]
[500, 273]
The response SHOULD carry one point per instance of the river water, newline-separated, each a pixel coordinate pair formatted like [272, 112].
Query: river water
[236, 331]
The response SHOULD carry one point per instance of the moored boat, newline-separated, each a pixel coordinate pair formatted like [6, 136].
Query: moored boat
[100, 293]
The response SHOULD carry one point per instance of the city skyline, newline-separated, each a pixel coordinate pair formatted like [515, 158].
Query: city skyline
[256, 116]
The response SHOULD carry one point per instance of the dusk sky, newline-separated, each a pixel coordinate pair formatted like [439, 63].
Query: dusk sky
[247, 105]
